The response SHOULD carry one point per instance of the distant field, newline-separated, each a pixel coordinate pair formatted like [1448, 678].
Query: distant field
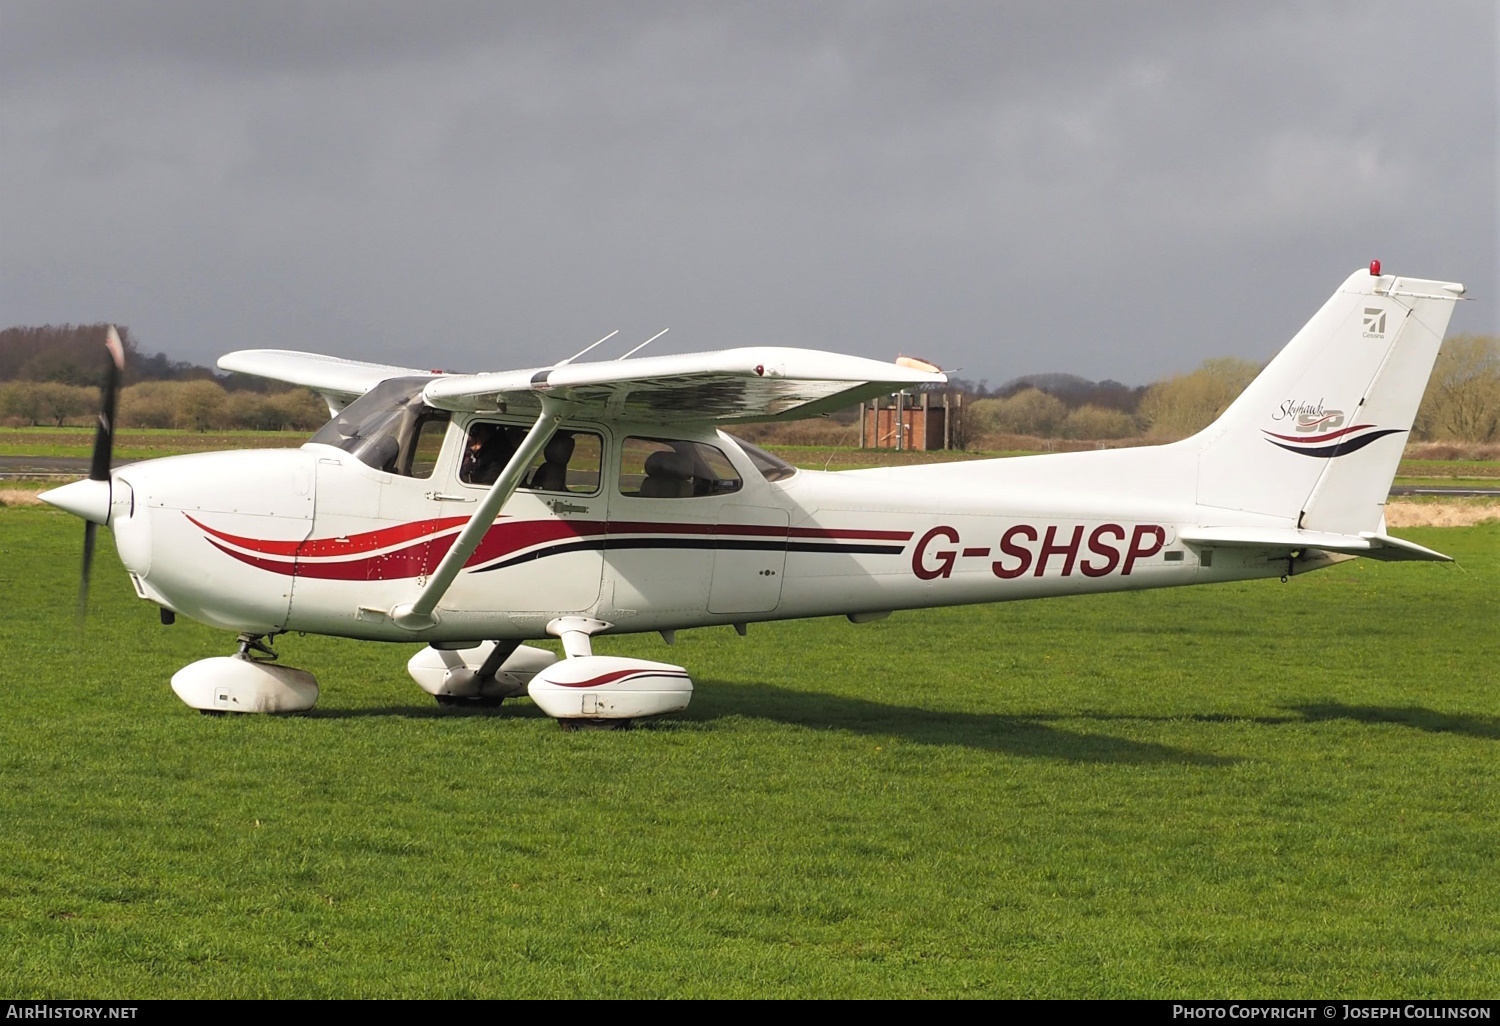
[139, 443]
[1470, 469]
[1249, 790]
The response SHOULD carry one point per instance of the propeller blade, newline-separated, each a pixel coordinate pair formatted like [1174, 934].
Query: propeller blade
[103, 456]
[104, 437]
[89, 528]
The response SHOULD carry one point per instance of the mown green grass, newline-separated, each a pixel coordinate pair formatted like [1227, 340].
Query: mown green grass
[1247, 790]
[1465, 469]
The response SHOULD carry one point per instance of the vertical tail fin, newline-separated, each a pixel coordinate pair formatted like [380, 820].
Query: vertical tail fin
[1317, 436]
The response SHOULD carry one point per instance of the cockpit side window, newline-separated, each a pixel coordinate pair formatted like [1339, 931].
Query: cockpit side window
[659, 468]
[390, 429]
[569, 462]
[427, 444]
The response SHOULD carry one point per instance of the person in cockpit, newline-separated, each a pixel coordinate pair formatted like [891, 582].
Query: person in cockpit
[489, 449]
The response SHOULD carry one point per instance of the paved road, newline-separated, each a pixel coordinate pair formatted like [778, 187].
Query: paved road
[1448, 490]
[77, 466]
[47, 466]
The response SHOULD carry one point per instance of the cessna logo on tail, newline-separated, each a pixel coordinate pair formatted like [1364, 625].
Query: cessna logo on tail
[1374, 322]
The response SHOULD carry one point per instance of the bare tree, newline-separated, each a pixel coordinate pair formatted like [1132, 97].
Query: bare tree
[1462, 401]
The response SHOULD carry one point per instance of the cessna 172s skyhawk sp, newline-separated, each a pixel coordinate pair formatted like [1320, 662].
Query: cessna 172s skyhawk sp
[477, 511]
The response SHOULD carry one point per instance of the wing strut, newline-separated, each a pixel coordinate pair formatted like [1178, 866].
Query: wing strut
[418, 615]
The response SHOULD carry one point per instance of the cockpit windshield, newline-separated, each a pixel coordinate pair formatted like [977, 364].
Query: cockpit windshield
[390, 428]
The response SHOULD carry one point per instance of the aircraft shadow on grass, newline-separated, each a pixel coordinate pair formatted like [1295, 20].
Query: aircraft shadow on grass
[1030, 735]
[1486, 727]
[1023, 735]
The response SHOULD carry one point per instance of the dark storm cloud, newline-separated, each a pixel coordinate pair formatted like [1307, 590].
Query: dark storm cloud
[1114, 190]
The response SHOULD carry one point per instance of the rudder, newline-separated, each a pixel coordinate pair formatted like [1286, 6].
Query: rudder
[1316, 437]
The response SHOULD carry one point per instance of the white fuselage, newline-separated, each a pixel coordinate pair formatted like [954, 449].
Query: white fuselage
[314, 540]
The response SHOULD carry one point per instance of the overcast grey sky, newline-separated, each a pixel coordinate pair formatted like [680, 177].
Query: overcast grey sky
[1114, 190]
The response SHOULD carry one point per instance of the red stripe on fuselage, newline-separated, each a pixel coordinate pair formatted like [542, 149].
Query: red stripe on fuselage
[318, 558]
[754, 530]
[347, 545]
[412, 561]
[421, 558]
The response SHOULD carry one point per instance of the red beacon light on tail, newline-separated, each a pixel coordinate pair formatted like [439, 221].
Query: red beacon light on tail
[1375, 268]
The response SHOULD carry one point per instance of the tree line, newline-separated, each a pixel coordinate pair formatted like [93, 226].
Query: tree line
[1461, 403]
[50, 376]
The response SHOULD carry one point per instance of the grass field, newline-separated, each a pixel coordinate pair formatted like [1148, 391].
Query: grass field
[140, 443]
[1247, 790]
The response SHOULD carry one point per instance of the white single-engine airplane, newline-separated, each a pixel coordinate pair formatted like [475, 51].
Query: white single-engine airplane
[478, 511]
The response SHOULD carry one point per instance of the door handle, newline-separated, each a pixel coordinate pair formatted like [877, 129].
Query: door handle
[441, 497]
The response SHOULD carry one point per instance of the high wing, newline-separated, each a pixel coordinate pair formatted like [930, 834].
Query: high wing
[772, 383]
[769, 383]
[338, 381]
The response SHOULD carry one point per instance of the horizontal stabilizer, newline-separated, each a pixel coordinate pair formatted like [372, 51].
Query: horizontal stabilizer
[1369, 544]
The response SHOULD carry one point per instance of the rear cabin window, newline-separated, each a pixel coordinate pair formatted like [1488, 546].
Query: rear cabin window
[772, 468]
[569, 462]
[659, 468]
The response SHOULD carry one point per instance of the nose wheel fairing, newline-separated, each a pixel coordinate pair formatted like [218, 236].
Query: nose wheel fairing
[241, 684]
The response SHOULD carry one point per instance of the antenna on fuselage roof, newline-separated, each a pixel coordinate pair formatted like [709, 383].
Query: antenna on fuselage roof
[606, 338]
[644, 344]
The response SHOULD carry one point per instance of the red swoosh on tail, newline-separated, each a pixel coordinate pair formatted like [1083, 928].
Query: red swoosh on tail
[1312, 439]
